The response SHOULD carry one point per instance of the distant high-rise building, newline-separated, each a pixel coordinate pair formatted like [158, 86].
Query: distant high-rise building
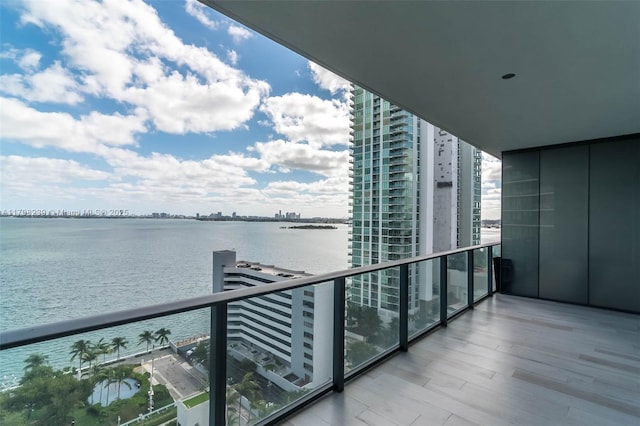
[415, 189]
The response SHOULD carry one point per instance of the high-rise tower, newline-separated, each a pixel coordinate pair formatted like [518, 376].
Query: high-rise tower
[410, 193]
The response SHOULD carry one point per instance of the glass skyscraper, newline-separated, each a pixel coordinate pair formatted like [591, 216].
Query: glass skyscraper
[415, 189]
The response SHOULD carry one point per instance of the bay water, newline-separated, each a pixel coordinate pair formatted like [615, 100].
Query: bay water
[59, 269]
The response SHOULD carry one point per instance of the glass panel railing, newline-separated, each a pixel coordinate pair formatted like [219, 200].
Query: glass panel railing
[279, 348]
[456, 283]
[424, 296]
[138, 371]
[480, 280]
[372, 315]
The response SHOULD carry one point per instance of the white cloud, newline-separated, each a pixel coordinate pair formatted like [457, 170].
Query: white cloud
[246, 163]
[335, 186]
[238, 34]
[138, 62]
[136, 183]
[179, 104]
[165, 172]
[54, 84]
[491, 168]
[38, 170]
[291, 155]
[488, 185]
[89, 133]
[27, 59]
[308, 118]
[326, 197]
[30, 61]
[232, 56]
[199, 11]
[491, 187]
[328, 80]
[491, 204]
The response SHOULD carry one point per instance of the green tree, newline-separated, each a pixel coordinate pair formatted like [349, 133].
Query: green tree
[102, 348]
[40, 371]
[265, 408]
[232, 413]
[392, 335]
[89, 357]
[117, 343]
[120, 374]
[146, 337]
[78, 349]
[247, 365]
[64, 392]
[249, 389]
[353, 313]
[359, 352]
[200, 354]
[110, 379]
[98, 375]
[34, 361]
[369, 323]
[162, 336]
[48, 393]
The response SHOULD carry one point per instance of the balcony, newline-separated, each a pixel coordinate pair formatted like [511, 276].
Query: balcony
[456, 354]
[511, 360]
[336, 341]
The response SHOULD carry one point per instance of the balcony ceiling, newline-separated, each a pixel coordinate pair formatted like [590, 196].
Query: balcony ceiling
[577, 64]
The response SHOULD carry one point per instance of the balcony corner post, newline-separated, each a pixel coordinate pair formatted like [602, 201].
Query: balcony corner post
[404, 308]
[490, 270]
[443, 291]
[218, 365]
[470, 289]
[338, 333]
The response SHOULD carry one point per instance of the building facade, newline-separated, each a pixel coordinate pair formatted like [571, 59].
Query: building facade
[415, 189]
[280, 329]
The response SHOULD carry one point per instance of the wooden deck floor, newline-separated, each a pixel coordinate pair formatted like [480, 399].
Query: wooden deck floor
[511, 361]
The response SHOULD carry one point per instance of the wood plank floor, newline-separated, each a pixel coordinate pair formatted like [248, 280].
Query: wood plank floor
[511, 360]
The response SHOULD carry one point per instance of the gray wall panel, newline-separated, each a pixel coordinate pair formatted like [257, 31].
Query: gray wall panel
[614, 225]
[520, 210]
[564, 224]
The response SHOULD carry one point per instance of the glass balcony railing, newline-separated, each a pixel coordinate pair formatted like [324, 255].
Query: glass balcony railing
[252, 355]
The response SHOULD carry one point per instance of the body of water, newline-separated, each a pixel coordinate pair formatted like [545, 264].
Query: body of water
[58, 269]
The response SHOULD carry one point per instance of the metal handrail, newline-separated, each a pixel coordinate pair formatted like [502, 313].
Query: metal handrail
[44, 332]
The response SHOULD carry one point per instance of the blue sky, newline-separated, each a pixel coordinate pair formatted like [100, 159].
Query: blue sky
[167, 106]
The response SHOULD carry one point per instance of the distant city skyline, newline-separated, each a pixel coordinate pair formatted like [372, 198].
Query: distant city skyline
[179, 109]
[115, 213]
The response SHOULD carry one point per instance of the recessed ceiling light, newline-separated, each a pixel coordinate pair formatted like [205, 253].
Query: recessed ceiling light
[508, 76]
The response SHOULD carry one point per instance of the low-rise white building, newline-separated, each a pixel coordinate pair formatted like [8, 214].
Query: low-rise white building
[288, 331]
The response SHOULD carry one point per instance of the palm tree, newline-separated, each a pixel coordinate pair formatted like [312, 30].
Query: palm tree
[265, 408]
[78, 349]
[34, 361]
[110, 380]
[95, 372]
[117, 343]
[102, 348]
[120, 375]
[161, 336]
[232, 414]
[98, 375]
[89, 357]
[249, 389]
[146, 337]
